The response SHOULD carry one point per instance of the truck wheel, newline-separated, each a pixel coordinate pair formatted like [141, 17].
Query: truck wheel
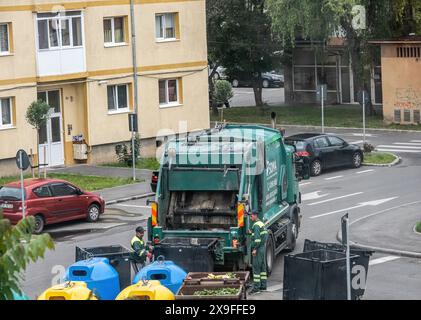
[294, 234]
[270, 254]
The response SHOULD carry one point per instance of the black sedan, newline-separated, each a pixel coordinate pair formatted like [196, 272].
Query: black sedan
[269, 80]
[326, 151]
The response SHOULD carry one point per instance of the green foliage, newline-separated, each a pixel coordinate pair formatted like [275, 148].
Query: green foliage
[124, 152]
[223, 91]
[37, 114]
[18, 247]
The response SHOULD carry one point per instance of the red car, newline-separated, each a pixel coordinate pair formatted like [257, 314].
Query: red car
[50, 201]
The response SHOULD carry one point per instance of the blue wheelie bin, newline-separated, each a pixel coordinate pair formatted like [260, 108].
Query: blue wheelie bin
[99, 276]
[168, 273]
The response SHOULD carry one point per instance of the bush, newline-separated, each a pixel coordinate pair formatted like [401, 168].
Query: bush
[124, 153]
[368, 148]
[223, 91]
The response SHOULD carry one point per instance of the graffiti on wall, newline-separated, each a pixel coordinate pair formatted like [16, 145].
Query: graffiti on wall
[407, 98]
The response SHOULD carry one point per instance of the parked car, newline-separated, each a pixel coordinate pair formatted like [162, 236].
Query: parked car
[154, 180]
[269, 79]
[50, 201]
[326, 151]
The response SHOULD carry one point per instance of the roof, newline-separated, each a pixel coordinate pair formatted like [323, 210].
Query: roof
[305, 136]
[32, 182]
[410, 39]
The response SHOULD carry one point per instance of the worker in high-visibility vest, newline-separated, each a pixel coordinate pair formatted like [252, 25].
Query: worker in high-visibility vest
[141, 252]
[259, 235]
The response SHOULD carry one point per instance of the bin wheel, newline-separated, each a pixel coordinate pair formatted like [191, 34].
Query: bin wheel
[270, 254]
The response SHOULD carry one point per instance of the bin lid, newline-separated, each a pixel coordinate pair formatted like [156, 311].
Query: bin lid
[91, 269]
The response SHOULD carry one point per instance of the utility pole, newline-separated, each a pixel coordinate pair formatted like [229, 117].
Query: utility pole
[364, 116]
[135, 90]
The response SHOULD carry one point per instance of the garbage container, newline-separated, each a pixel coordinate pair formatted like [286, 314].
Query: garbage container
[191, 254]
[68, 291]
[167, 272]
[118, 256]
[146, 290]
[316, 275]
[99, 276]
[362, 260]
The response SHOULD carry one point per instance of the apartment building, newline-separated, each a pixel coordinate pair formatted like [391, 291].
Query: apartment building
[77, 56]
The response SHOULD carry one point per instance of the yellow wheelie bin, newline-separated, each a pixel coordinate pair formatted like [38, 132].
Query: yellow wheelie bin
[146, 290]
[72, 290]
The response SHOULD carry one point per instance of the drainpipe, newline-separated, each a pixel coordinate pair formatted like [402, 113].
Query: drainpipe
[134, 57]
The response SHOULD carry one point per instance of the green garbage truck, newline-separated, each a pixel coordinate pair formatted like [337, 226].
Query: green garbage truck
[207, 184]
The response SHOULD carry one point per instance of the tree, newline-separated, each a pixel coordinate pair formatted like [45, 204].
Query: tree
[318, 20]
[18, 247]
[223, 92]
[37, 116]
[240, 39]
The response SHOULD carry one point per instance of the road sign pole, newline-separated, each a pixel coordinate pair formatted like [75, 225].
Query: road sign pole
[323, 110]
[364, 116]
[348, 262]
[133, 150]
[22, 186]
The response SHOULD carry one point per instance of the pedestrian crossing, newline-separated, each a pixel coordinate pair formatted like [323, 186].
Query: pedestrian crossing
[413, 146]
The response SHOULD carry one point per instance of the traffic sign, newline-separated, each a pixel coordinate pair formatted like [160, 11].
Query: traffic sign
[321, 91]
[363, 97]
[133, 126]
[22, 160]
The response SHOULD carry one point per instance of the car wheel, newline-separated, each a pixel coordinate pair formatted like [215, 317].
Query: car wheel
[93, 213]
[270, 255]
[266, 83]
[316, 168]
[357, 160]
[235, 83]
[39, 224]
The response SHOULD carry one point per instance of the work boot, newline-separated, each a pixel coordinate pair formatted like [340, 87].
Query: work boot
[254, 291]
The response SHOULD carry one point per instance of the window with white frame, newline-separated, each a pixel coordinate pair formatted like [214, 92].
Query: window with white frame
[168, 92]
[118, 98]
[59, 30]
[165, 25]
[6, 106]
[114, 30]
[4, 38]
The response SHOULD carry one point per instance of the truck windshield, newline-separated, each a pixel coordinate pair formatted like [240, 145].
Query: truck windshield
[9, 193]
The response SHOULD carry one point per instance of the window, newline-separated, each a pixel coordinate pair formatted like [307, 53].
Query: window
[59, 30]
[408, 52]
[114, 32]
[42, 192]
[52, 98]
[397, 115]
[417, 118]
[4, 39]
[321, 143]
[118, 98]
[165, 26]
[334, 141]
[6, 120]
[168, 92]
[63, 189]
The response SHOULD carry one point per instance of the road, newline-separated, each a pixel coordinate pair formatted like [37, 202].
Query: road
[244, 97]
[366, 193]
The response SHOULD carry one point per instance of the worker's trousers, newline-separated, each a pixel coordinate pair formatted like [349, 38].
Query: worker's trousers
[260, 270]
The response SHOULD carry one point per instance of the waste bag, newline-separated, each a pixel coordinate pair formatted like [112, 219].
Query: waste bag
[72, 290]
[118, 256]
[99, 276]
[316, 275]
[146, 290]
[167, 272]
[363, 260]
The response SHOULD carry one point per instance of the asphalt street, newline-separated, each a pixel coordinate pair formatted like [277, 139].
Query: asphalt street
[244, 97]
[382, 202]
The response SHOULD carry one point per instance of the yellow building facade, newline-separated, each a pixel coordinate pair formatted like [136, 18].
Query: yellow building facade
[77, 56]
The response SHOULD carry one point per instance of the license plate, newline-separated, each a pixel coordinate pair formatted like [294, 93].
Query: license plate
[6, 206]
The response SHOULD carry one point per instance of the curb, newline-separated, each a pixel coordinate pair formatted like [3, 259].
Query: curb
[142, 196]
[394, 163]
[415, 231]
[400, 253]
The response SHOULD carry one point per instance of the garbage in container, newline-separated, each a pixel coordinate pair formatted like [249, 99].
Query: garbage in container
[146, 290]
[99, 276]
[167, 272]
[363, 260]
[75, 290]
[316, 275]
[118, 256]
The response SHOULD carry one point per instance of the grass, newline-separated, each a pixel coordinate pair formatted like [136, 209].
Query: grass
[87, 183]
[148, 163]
[335, 116]
[418, 227]
[379, 158]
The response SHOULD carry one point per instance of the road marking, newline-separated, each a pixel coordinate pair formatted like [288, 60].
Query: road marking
[333, 178]
[419, 141]
[365, 171]
[356, 142]
[408, 143]
[313, 196]
[363, 204]
[274, 288]
[305, 184]
[400, 147]
[383, 260]
[133, 206]
[362, 135]
[337, 198]
[398, 150]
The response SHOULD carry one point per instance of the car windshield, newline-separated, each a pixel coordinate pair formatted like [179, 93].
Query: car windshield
[299, 145]
[9, 193]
